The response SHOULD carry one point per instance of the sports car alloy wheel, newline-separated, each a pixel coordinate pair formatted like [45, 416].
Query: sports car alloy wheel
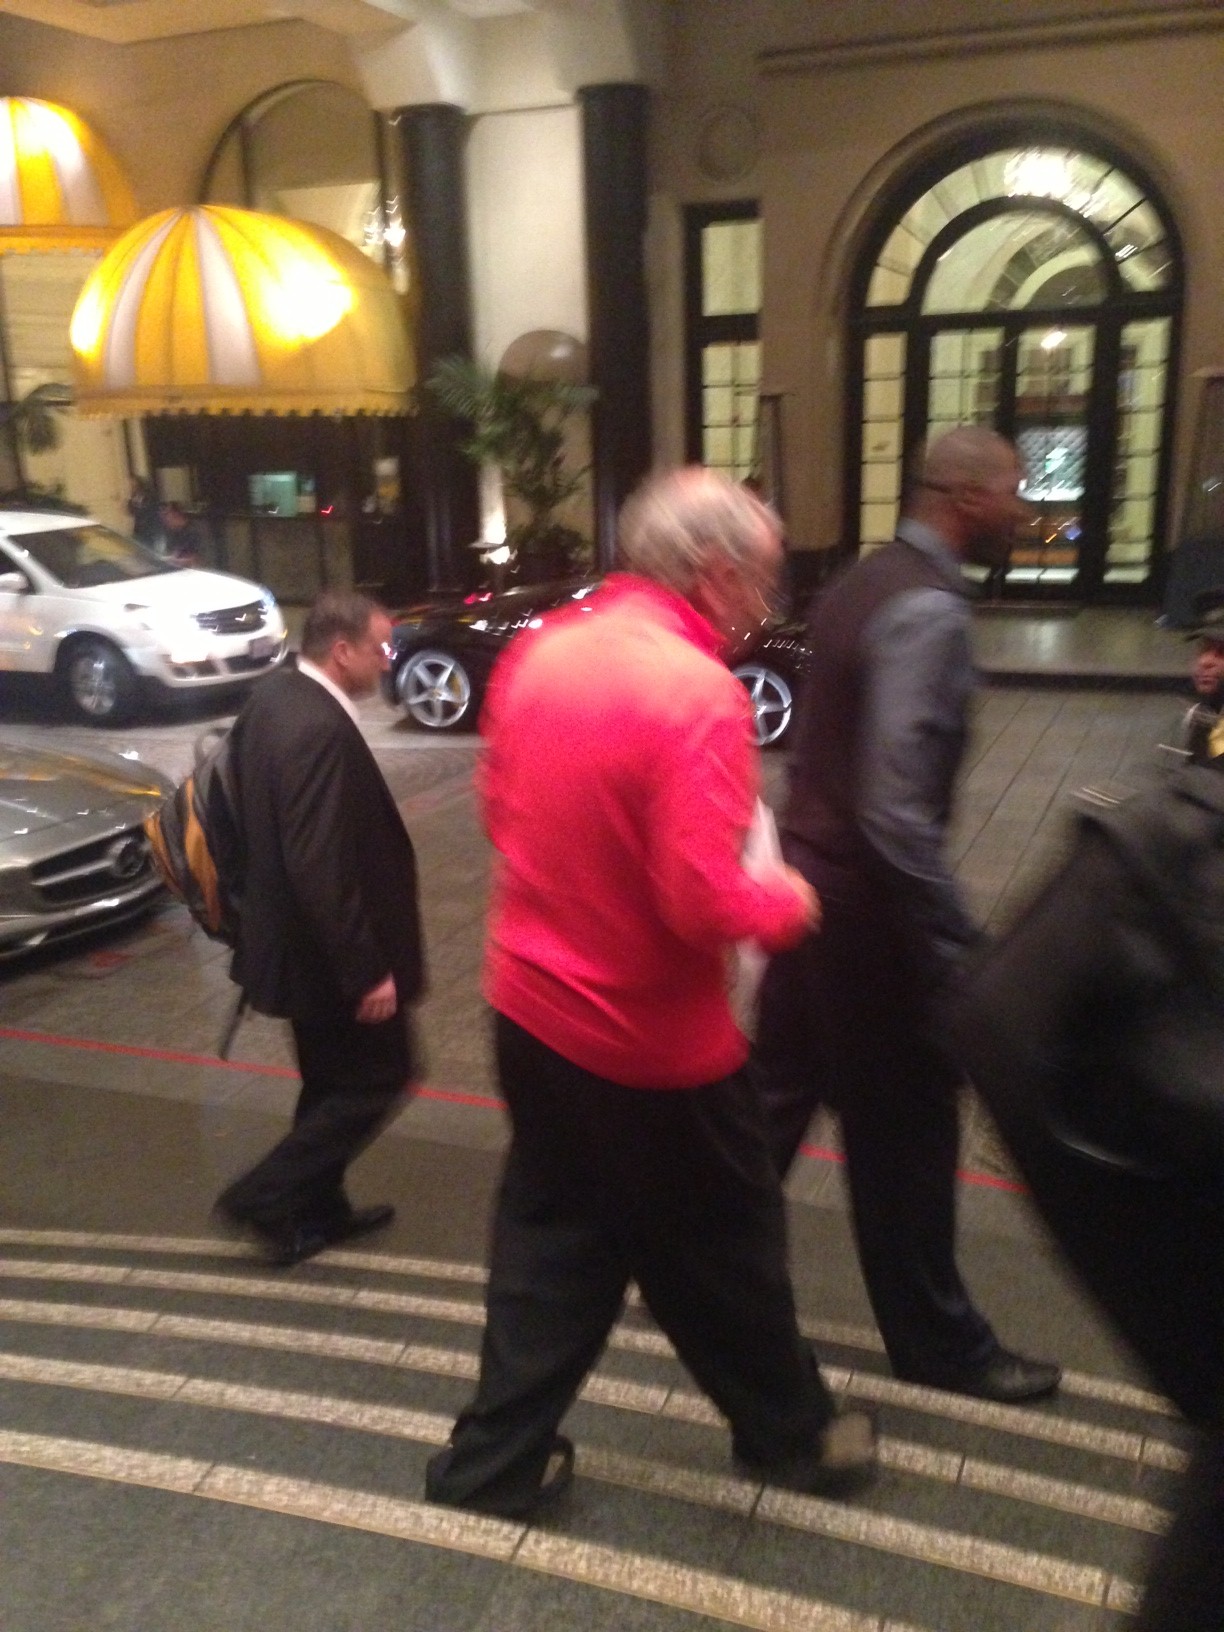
[772, 701]
[435, 690]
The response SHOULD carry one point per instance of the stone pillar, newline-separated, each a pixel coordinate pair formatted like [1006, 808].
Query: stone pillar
[614, 129]
[432, 140]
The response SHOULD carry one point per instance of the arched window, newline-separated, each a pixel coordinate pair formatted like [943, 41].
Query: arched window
[1034, 286]
[315, 151]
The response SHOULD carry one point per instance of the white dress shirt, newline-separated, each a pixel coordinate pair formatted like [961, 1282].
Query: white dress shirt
[313, 672]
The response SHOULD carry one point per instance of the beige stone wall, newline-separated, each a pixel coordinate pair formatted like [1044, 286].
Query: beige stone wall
[526, 226]
[825, 139]
[162, 106]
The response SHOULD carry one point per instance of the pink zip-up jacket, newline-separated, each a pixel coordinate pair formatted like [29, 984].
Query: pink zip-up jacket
[618, 782]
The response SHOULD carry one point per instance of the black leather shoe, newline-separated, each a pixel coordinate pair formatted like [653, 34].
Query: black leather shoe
[844, 1462]
[291, 1244]
[359, 1221]
[1008, 1379]
[294, 1241]
[519, 1504]
[288, 1244]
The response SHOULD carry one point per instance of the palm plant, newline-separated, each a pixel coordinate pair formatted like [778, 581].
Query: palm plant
[34, 418]
[31, 424]
[518, 425]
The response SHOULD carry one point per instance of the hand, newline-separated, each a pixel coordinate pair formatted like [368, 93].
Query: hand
[379, 1003]
[806, 894]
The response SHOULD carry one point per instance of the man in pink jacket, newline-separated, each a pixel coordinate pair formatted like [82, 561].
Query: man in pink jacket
[618, 784]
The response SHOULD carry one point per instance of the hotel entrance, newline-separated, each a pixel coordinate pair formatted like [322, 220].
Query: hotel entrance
[1035, 289]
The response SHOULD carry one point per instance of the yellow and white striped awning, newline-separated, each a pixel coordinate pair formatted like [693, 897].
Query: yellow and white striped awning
[60, 188]
[219, 310]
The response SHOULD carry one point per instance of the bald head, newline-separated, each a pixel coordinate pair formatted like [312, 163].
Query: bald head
[969, 456]
[966, 489]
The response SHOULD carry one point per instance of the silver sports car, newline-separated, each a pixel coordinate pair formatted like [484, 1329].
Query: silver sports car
[72, 849]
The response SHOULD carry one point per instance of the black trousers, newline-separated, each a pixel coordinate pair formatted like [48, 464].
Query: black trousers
[353, 1079]
[604, 1184]
[842, 1022]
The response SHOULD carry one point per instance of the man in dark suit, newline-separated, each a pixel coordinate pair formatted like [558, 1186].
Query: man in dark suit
[329, 934]
[846, 1016]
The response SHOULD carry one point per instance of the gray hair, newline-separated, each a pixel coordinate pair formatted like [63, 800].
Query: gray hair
[337, 614]
[679, 521]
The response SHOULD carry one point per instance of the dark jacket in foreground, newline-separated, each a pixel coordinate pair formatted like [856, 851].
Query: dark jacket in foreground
[1094, 1030]
[329, 897]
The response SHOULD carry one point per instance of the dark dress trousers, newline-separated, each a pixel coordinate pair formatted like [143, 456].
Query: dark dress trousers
[329, 909]
[844, 1018]
[674, 1190]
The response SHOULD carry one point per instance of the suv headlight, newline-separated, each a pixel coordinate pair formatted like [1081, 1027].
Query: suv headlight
[271, 612]
[177, 633]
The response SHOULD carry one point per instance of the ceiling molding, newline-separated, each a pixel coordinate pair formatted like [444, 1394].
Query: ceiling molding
[1141, 22]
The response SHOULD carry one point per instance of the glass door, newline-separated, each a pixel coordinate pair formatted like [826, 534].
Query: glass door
[1050, 374]
[1032, 383]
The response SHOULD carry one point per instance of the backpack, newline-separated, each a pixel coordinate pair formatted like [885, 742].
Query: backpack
[1094, 1031]
[196, 839]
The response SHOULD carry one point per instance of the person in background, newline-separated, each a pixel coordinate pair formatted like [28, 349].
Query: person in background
[845, 1018]
[618, 785]
[184, 536]
[1203, 729]
[329, 933]
[145, 511]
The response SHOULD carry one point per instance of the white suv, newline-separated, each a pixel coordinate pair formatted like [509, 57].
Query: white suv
[103, 614]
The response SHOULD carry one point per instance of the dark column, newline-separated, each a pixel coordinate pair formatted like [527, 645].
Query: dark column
[614, 123]
[12, 471]
[432, 140]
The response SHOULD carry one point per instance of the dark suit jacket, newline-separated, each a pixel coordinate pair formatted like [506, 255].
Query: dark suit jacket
[329, 896]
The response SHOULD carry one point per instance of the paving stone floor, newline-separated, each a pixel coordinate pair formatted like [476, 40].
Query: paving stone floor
[182, 1437]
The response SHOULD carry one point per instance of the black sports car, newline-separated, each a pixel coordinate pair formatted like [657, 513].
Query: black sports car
[444, 650]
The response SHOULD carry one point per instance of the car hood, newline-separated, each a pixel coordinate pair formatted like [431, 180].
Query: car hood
[188, 591]
[40, 790]
[506, 610]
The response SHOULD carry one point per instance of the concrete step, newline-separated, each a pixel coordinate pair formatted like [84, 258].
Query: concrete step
[186, 1367]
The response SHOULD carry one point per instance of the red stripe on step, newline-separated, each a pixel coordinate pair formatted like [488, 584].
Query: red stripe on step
[174, 1056]
[987, 1181]
[448, 1096]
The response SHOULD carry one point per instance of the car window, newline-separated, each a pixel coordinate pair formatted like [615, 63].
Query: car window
[80, 557]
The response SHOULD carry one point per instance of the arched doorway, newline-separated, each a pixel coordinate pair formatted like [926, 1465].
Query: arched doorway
[1033, 284]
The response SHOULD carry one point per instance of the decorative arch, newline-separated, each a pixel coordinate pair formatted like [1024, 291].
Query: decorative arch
[1025, 273]
[314, 150]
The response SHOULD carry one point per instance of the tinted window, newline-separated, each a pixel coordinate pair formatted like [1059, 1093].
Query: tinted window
[80, 557]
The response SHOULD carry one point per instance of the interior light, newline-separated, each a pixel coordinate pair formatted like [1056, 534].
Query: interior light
[54, 133]
[85, 330]
[308, 302]
[1038, 175]
[1053, 339]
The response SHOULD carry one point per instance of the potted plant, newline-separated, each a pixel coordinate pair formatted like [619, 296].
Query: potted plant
[32, 424]
[519, 426]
